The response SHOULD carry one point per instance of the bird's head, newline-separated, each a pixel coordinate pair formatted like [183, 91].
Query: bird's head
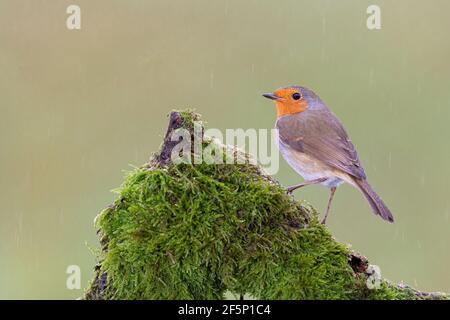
[291, 100]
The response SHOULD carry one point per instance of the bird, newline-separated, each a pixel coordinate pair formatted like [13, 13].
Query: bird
[316, 145]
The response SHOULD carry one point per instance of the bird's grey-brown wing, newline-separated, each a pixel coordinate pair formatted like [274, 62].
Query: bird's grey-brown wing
[319, 134]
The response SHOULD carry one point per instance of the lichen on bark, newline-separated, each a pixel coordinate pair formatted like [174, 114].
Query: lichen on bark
[196, 231]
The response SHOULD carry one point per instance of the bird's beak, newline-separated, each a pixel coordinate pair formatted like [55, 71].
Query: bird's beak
[271, 96]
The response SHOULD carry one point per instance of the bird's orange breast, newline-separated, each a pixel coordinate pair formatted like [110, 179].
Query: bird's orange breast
[286, 107]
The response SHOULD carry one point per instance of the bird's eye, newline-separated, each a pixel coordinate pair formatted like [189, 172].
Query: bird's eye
[296, 96]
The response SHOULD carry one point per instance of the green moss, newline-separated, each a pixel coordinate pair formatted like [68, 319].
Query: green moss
[389, 291]
[179, 232]
[189, 117]
[197, 231]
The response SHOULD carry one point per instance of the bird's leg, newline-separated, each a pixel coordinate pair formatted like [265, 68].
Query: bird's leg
[332, 191]
[303, 184]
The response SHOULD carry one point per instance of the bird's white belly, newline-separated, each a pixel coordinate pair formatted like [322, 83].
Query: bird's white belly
[309, 168]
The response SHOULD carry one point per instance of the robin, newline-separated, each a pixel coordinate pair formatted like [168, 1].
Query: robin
[315, 144]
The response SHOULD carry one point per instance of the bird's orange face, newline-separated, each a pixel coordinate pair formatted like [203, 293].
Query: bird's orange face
[288, 101]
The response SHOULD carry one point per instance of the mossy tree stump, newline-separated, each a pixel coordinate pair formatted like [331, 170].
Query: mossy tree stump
[197, 231]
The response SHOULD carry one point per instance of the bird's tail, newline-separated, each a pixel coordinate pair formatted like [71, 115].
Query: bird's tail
[378, 206]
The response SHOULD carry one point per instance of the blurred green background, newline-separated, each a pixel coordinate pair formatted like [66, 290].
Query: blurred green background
[78, 107]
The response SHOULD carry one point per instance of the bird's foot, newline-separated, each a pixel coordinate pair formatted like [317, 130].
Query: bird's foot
[290, 190]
